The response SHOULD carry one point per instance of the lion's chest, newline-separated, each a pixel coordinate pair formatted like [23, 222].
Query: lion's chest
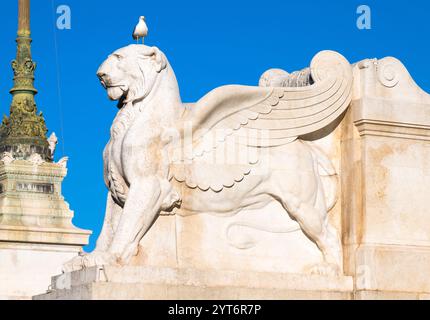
[113, 165]
[112, 154]
[113, 170]
[120, 127]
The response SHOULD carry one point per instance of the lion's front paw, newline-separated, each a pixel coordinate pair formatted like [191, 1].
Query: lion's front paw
[74, 264]
[98, 259]
[172, 200]
[89, 260]
[325, 269]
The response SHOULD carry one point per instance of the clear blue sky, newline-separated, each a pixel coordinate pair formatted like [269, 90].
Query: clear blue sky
[208, 43]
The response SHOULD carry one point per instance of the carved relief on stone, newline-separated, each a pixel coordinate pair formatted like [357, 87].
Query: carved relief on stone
[165, 156]
[36, 159]
[63, 162]
[7, 158]
[388, 74]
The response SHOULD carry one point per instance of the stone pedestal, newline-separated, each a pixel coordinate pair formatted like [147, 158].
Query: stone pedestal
[155, 283]
[36, 231]
[380, 150]
[385, 176]
[245, 256]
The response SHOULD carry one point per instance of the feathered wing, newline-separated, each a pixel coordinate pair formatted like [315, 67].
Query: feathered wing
[260, 117]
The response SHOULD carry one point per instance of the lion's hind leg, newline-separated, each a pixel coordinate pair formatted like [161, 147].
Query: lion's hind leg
[313, 221]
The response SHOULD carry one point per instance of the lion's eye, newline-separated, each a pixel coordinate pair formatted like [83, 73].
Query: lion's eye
[117, 56]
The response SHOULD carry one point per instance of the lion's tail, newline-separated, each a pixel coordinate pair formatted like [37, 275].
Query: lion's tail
[246, 241]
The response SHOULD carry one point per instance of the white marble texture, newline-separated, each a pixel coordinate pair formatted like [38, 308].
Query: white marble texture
[237, 148]
[323, 170]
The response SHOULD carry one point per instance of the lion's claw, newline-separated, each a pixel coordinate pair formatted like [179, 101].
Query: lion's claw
[88, 261]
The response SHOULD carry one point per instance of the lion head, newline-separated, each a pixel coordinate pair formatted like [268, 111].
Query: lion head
[130, 73]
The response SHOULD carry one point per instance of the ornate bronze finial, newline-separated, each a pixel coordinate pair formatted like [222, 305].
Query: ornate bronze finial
[23, 133]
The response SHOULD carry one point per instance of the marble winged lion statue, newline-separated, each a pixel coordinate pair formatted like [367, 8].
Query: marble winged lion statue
[238, 147]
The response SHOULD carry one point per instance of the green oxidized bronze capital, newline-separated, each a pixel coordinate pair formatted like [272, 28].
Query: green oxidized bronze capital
[24, 131]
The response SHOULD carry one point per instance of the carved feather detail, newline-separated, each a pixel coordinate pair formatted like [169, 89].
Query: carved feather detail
[263, 117]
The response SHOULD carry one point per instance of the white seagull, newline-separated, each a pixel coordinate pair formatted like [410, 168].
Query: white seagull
[141, 30]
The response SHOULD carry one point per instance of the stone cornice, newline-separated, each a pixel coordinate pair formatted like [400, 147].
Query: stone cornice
[369, 127]
[377, 116]
[25, 168]
[64, 236]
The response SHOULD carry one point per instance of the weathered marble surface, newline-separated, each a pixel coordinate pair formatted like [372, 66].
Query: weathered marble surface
[243, 152]
[188, 230]
[385, 177]
[146, 283]
[36, 231]
[26, 269]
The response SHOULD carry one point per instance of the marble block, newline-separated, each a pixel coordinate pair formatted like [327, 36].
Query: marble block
[36, 231]
[245, 242]
[385, 175]
[149, 283]
[327, 197]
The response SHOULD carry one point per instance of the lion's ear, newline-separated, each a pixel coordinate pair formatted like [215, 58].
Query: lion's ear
[159, 59]
[155, 55]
